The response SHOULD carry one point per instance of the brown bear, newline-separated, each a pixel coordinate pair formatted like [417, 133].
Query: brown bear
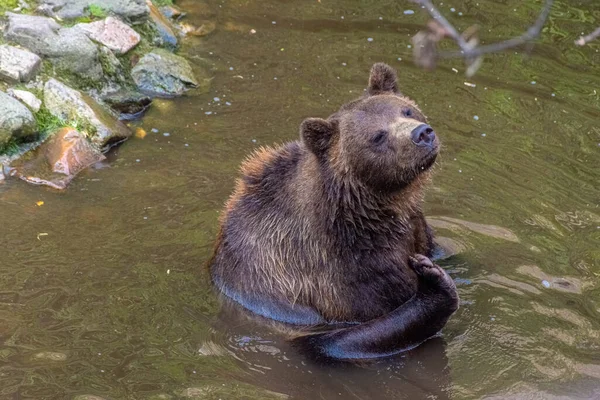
[328, 231]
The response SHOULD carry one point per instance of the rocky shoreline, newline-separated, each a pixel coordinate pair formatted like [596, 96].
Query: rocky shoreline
[73, 72]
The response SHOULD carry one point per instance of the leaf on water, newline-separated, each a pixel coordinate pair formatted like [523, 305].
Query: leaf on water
[39, 203]
[140, 133]
[41, 234]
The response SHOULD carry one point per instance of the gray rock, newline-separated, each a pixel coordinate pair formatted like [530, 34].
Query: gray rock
[162, 73]
[67, 48]
[112, 33]
[69, 104]
[17, 64]
[162, 25]
[128, 103]
[68, 9]
[26, 97]
[16, 121]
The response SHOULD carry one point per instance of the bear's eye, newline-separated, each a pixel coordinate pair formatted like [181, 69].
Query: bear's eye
[379, 137]
[407, 112]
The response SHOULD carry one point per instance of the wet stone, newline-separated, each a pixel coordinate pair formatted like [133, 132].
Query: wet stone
[161, 73]
[69, 104]
[18, 65]
[205, 28]
[27, 98]
[112, 33]
[129, 104]
[162, 25]
[172, 12]
[58, 160]
[16, 121]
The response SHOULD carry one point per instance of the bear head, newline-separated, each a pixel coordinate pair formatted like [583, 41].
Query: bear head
[382, 139]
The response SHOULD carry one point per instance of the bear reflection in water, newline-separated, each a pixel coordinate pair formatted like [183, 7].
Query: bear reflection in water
[326, 235]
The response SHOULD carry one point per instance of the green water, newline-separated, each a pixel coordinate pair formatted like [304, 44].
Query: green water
[102, 290]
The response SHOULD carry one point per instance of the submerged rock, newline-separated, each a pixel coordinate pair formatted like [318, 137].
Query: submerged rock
[172, 12]
[26, 97]
[162, 73]
[17, 64]
[69, 9]
[69, 104]
[128, 103]
[58, 160]
[112, 33]
[67, 48]
[205, 28]
[16, 121]
[162, 25]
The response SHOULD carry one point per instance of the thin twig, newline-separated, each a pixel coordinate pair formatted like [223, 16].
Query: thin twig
[468, 51]
[450, 30]
[582, 41]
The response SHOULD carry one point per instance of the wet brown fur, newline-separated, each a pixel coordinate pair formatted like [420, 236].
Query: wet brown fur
[310, 223]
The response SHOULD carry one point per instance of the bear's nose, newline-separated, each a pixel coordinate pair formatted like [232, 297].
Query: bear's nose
[423, 135]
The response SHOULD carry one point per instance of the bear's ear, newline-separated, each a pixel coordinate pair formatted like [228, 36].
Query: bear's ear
[382, 79]
[316, 133]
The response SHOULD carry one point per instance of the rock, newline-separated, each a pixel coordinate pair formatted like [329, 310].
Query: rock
[67, 48]
[111, 65]
[30, 31]
[172, 12]
[17, 64]
[58, 160]
[16, 121]
[128, 103]
[162, 73]
[205, 28]
[68, 9]
[26, 97]
[162, 25]
[69, 104]
[112, 33]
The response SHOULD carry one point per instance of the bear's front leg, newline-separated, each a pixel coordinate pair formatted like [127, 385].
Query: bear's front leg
[436, 290]
[409, 325]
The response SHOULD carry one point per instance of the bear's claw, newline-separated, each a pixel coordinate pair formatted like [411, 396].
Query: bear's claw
[432, 276]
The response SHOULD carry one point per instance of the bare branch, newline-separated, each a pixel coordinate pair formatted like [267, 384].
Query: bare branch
[582, 41]
[469, 49]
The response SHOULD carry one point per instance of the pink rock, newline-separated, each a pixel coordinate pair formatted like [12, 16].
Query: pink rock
[56, 162]
[112, 33]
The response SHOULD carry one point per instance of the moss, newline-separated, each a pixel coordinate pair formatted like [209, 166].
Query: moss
[10, 148]
[47, 124]
[96, 11]
[160, 3]
[8, 5]
[75, 80]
